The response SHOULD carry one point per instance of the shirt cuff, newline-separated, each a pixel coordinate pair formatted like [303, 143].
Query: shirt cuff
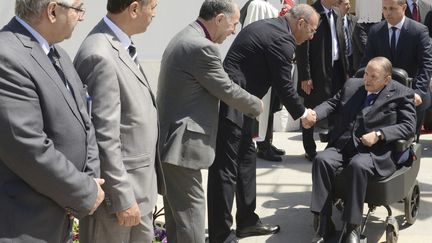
[304, 114]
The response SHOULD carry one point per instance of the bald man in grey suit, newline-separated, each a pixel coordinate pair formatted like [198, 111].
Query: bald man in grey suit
[48, 153]
[191, 83]
[125, 119]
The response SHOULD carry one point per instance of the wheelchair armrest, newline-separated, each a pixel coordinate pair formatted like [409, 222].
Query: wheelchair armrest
[401, 145]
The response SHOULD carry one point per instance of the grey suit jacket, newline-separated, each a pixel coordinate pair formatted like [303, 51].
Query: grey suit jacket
[191, 83]
[48, 153]
[125, 118]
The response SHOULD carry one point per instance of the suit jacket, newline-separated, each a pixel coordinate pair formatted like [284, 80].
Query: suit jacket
[413, 53]
[48, 153]
[424, 6]
[125, 119]
[359, 37]
[314, 59]
[261, 57]
[191, 83]
[393, 113]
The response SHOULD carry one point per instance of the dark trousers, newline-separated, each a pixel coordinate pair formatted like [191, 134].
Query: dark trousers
[232, 173]
[358, 167]
[266, 144]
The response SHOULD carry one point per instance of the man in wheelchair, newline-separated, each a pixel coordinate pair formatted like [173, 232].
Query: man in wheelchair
[373, 113]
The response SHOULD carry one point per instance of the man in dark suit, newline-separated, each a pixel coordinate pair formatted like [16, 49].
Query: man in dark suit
[126, 127]
[321, 64]
[348, 22]
[406, 44]
[260, 57]
[374, 113]
[48, 153]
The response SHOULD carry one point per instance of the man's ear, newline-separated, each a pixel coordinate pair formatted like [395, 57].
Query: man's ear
[51, 11]
[133, 8]
[218, 19]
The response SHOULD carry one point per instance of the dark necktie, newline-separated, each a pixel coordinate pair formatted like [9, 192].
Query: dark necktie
[133, 53]
[370, 99]
[415, 13]
[393, 44]
[55, 60]
[347, 37]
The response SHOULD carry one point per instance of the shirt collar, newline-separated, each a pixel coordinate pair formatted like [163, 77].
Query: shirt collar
[398, 25]
[207, 34]
[326, 10]
[40, 39]
[124, 39]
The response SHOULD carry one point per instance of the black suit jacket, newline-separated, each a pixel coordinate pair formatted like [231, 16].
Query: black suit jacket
[393, 113]
[413, 53]
[314, 59]
[261, 56]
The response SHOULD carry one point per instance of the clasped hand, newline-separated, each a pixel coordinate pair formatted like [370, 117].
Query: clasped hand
[310, 119]
[369, 139]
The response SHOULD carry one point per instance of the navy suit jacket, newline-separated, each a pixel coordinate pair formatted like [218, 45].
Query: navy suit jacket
[392, 112]
[413, 53]
[261, 57]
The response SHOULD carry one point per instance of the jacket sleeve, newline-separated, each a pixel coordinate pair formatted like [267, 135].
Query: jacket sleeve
[211, 75]
[102, 80]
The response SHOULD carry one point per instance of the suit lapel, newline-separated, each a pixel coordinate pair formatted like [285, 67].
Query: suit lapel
[124, 56]
[45, 64]
[384, 95]
[384, 44]
[402, 42]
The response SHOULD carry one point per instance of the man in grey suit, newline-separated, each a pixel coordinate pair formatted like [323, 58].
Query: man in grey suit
[125, 118]
[191, 83]
[48, 153]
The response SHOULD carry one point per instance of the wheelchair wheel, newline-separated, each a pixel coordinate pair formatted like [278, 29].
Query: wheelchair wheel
[412, 204]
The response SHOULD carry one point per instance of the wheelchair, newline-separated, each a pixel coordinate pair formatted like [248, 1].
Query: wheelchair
[401, 186]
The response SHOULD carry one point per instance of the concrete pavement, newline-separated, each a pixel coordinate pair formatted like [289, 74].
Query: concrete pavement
[284, 190]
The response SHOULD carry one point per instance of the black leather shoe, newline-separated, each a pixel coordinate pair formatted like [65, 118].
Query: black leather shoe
[277, 151]
[259, 229]
[324, 228]
[269, 155]
[351, 234]
[310, 156]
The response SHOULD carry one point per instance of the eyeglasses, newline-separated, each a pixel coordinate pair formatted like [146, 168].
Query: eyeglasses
[310, 29]
[80, 11]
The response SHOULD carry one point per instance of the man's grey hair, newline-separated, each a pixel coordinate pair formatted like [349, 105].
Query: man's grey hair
[401, 2]
[302, 11]
[384, 64]
[32, 9]
[211, 8]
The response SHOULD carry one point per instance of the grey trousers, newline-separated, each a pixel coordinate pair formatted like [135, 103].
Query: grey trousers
[184, 205]
[102, 227]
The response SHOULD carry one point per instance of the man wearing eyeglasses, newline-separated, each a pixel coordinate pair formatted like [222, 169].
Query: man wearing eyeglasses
[48, 155]
[125, 119]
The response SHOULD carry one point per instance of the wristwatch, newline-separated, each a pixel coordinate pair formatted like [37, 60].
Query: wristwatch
[379, 134]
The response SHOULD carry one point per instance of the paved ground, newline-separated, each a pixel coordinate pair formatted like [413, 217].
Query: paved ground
[284, 190]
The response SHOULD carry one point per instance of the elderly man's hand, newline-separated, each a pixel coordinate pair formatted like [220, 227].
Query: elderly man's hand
[417, 100]
[369, 139]
[310, 119]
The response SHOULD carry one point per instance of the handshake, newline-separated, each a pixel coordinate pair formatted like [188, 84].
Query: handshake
[310, 119]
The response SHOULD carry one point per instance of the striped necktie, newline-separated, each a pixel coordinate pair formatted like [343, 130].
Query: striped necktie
[133, 53]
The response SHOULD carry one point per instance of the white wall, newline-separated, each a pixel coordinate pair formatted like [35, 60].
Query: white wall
[171, 17]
